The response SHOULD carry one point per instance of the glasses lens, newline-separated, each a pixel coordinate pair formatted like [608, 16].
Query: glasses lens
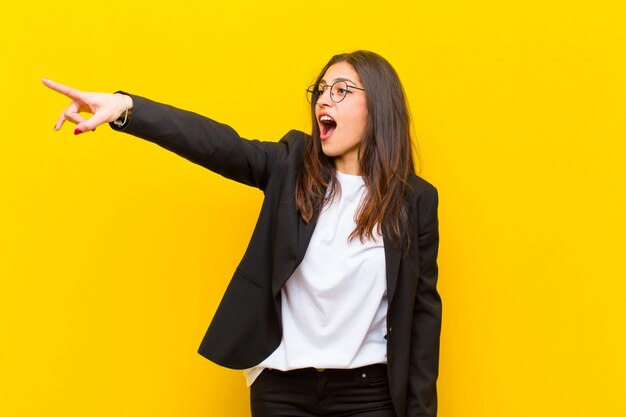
[312, 93]
[339, 91]
[309, 94]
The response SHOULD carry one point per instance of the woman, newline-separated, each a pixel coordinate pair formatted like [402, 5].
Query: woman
[333, 310]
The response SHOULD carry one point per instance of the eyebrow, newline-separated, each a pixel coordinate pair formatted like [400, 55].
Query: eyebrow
[337, 79]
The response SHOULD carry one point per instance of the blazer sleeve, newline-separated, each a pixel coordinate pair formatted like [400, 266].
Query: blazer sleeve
[424, 358]
[213, 145]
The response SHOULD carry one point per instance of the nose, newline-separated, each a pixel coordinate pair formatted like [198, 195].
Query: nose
[324, 99]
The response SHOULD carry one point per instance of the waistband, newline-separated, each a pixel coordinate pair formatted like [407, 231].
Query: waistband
[362, 371]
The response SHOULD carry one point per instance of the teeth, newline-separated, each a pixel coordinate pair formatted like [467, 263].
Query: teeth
[325, 118]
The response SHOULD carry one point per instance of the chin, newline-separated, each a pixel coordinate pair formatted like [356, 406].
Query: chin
[328, 151]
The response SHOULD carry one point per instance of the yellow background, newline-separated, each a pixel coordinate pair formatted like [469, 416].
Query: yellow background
[114, 253]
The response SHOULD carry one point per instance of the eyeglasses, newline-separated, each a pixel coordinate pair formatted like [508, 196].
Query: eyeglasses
[338, 91]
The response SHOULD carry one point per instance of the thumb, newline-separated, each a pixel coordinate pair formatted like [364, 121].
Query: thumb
[90, 124]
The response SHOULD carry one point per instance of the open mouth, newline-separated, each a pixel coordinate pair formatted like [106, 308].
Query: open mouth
[327, 126]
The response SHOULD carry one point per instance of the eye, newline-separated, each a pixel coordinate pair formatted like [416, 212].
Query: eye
[340, 89]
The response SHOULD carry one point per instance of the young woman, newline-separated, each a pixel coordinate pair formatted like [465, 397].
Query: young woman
[333, 310]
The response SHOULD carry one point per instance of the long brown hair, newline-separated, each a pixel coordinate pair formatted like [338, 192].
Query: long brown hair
[385, 155]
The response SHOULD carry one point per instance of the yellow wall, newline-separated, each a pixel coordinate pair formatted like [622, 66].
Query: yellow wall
[114, 253]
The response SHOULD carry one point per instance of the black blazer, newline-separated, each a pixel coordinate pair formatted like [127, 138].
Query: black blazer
[247, 325]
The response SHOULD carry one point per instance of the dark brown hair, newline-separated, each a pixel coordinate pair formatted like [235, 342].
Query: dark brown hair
[385, 155]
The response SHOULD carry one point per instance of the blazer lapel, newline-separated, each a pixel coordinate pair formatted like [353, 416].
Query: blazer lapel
[393, 256]
[305, 232]
[392, 265]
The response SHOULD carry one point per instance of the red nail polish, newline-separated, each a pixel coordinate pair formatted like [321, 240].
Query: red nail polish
[77, 131]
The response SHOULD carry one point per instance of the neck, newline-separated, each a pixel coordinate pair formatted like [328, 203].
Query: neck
[347, 167]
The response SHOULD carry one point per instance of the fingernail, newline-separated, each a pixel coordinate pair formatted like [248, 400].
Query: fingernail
[77, 131]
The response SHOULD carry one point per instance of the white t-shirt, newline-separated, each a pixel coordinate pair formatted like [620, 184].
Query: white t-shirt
[334, 305]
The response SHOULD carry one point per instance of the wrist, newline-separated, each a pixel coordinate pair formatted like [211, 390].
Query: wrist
[124, 116]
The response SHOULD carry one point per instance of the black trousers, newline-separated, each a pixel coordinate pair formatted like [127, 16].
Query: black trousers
[360, 392]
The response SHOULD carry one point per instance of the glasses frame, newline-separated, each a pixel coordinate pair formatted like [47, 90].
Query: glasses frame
[314, 91]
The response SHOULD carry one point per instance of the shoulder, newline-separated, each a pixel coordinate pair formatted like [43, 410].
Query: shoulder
[295, 139]
[294, 143]
[423, 200]
[420, 189]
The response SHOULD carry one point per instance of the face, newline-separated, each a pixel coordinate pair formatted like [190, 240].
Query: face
[342, 124]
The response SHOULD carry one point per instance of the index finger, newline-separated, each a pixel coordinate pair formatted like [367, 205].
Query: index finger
[63, 89]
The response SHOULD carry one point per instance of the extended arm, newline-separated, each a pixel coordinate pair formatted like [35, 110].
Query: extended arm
[213, 145]
[201, 140]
